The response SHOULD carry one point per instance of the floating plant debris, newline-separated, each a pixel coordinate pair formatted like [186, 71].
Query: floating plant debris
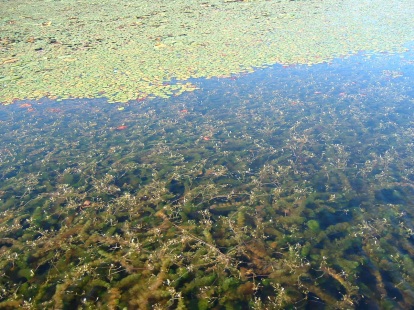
[138, 49]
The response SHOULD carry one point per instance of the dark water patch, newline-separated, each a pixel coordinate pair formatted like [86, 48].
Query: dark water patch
[389, 195]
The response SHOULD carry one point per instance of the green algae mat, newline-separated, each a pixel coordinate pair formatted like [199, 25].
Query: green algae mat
[131, 50]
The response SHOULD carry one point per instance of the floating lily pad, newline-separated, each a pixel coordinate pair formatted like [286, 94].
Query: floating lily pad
[124, 51]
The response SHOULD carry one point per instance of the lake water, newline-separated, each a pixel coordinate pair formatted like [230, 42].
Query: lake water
[290, 187]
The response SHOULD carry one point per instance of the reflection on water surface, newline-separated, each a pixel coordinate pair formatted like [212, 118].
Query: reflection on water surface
[287, 188]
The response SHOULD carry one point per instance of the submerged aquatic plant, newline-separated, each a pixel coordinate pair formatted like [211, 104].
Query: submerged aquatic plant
[310, 208]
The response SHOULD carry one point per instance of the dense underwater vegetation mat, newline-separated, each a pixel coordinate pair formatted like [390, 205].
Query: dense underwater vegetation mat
[295, 192]
[124, 50]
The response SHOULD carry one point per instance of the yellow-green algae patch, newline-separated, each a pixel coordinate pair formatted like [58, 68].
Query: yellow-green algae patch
[126, 50]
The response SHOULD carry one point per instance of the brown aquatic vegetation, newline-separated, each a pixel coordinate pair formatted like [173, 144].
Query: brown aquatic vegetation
[154, 215]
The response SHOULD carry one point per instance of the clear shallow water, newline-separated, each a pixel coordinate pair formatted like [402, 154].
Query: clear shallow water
[289, 187]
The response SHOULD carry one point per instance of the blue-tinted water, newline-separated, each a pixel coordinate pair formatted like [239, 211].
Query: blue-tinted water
[288, 187]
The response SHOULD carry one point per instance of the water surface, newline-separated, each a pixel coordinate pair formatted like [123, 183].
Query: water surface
[290, 187]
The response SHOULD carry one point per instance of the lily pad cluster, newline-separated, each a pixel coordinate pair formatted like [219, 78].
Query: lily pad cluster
[137, 49]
